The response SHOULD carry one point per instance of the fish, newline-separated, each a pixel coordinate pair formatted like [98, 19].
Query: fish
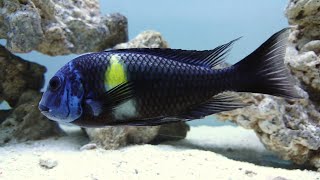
[155, 86]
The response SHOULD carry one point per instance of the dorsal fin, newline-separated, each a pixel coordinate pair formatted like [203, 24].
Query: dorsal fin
[206, 58]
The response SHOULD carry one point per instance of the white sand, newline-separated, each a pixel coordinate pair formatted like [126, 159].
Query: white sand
[200, 156]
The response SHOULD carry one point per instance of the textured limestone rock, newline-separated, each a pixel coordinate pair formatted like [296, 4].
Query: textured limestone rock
[306, 14]
[26, 122]
[119, 136]
[20, 83]
[303, 55]
[171, 132]
[287, 127]
[17, 76]
[115, 137]
[57, 27]
[48, 161]
[146, 39]
[291, 127]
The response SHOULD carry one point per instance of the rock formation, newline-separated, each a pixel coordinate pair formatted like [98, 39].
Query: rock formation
[291, 127]
[303, 55]
[20, 83]
[25, 122]
[56, 27]
[114, 137]
[146, 39]
[53, 27]
[18, 76]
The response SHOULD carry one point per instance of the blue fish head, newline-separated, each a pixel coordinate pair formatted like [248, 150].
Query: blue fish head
[62, 101]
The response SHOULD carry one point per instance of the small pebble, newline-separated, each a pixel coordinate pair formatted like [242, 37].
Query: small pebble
[279, 178]
[89, 146]
[48, 163]
[250, 173]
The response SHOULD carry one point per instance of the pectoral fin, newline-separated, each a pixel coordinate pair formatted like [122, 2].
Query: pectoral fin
[93, 107]
[117, 95]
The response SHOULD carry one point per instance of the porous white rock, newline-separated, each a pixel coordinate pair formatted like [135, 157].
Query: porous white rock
[56, 27]
[146, 39]
[47, 163]
[291, 127]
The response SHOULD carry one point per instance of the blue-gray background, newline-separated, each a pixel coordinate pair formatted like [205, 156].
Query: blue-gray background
[192, 24]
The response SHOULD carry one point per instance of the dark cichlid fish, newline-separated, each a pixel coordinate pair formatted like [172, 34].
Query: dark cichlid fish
[146, 87]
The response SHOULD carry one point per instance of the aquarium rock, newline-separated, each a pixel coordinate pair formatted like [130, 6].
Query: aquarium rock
[291, 127]
[25, 121]
[118, 136]
[146, 39]
[47, 161]
[171, 132]
[59, 27]
[17, 76]
[306, 14]
[20, 84]
[89, 146]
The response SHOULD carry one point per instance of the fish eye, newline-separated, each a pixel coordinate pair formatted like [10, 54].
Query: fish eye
[54, 83]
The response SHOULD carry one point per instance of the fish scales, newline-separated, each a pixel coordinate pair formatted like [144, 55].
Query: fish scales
[146, 87]
[163, 85]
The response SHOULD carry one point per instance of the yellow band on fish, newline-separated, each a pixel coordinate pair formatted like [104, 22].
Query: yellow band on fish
[115, 73]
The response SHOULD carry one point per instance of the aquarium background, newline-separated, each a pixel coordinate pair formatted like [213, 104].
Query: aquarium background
[191, 24]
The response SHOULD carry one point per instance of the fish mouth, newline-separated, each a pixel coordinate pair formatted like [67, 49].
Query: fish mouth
[43, 108]
[52, 117]
[47, 112]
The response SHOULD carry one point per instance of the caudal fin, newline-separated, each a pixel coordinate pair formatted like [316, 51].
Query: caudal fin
[264, 71]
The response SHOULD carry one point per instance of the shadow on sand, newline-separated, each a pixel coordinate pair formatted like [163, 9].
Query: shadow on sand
[261, 158]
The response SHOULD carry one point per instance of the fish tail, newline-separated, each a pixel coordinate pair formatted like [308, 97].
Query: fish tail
[264, 71]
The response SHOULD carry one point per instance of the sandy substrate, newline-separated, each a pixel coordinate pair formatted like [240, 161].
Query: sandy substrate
[207, 153]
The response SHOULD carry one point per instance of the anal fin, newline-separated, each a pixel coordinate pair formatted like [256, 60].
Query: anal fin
[222, 102]
[156, 121]
[218, 103]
